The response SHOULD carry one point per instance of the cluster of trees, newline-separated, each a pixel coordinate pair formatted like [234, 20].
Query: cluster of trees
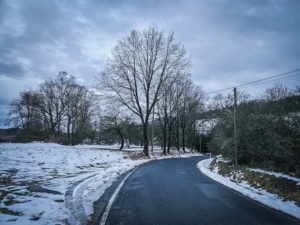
[59, 110]
[172, 123]
[148, 76]
[268, 129]
[178, 114]
[141, 74]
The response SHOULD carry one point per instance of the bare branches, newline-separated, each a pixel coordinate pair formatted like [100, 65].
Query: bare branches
[141, 66]
[58, 106]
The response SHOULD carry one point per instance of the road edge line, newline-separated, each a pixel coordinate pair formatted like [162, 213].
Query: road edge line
[111, 200]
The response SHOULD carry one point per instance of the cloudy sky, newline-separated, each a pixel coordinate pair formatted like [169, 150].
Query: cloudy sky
[231, 42]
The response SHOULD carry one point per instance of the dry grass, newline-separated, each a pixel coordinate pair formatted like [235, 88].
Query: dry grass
[284, 188]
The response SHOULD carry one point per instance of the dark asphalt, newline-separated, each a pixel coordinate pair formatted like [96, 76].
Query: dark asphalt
[174, 191]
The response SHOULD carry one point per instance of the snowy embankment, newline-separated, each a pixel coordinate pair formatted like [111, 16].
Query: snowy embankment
[46, 183]
[268, 199]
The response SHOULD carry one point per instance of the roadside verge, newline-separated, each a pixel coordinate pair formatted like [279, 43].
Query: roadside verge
[245, 189]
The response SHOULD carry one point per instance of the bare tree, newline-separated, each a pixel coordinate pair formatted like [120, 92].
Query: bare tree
[115, 119]
[174, 95]
[163, 118]
[87, 108]
[191, 103]
[140, 66]
[59, 105]
[24, 113]
[72, 111]
[53, 95]
[22, 110]
[80, 108]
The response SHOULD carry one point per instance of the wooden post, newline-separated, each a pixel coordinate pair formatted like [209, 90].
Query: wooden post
[234, 124]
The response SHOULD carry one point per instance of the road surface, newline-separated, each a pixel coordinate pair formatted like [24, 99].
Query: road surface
[174, 191]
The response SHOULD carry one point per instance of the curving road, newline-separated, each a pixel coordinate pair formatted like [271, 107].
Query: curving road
[174, 191]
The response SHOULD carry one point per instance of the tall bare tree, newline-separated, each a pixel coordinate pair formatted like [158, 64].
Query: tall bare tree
[87, 108]
[140, 66]
[22, 110]
[80, 109]
[191, 103]
[23, 113]
[53, 95]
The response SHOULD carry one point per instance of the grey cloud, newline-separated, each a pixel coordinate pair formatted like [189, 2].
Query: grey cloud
[11, 69]
[43, 21]
[4, 101]
[48, 41]
[227, 40]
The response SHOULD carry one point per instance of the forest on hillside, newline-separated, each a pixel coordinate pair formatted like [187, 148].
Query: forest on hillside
[268, 129]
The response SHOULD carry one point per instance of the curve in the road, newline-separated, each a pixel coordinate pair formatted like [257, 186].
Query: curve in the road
[173, 191]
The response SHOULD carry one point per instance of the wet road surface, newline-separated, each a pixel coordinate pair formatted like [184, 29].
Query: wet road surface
[174, 191]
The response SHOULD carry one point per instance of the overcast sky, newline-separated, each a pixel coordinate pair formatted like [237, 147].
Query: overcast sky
[231, 42]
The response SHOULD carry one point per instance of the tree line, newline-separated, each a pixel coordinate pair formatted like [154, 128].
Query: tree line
[59, 110]
[147, 97]
[173, 120]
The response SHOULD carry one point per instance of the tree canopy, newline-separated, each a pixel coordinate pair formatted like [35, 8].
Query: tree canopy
[141, 67]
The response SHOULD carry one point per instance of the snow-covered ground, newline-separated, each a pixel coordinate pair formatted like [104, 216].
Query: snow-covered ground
[244, 188]
[45, 183]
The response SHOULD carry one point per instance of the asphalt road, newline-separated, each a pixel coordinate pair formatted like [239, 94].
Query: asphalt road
[174, 191]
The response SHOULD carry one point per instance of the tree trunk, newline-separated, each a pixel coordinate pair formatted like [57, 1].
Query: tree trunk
[169, 137]
[122, 139]
[72, 134]
[146, 141]
[69, 123]
[164, 137]
[193, 137]
[163, 129]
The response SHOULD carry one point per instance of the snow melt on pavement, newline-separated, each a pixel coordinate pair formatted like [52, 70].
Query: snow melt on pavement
[244, 188]
[47, 183]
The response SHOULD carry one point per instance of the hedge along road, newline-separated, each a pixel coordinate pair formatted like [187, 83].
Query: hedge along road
[174, 191]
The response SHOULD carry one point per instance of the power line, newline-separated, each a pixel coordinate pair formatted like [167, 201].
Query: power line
[273, 80]
[257, 81]
[268, 78]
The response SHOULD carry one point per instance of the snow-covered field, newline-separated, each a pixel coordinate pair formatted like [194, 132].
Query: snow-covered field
[244, 188]
[46, 183]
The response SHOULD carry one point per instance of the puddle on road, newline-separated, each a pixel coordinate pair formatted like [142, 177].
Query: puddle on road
[209, 190]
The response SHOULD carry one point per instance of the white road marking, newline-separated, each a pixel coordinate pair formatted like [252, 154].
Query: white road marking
[107, 209]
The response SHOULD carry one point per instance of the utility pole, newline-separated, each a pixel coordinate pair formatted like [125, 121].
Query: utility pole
[152, 131]
[234, 124]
